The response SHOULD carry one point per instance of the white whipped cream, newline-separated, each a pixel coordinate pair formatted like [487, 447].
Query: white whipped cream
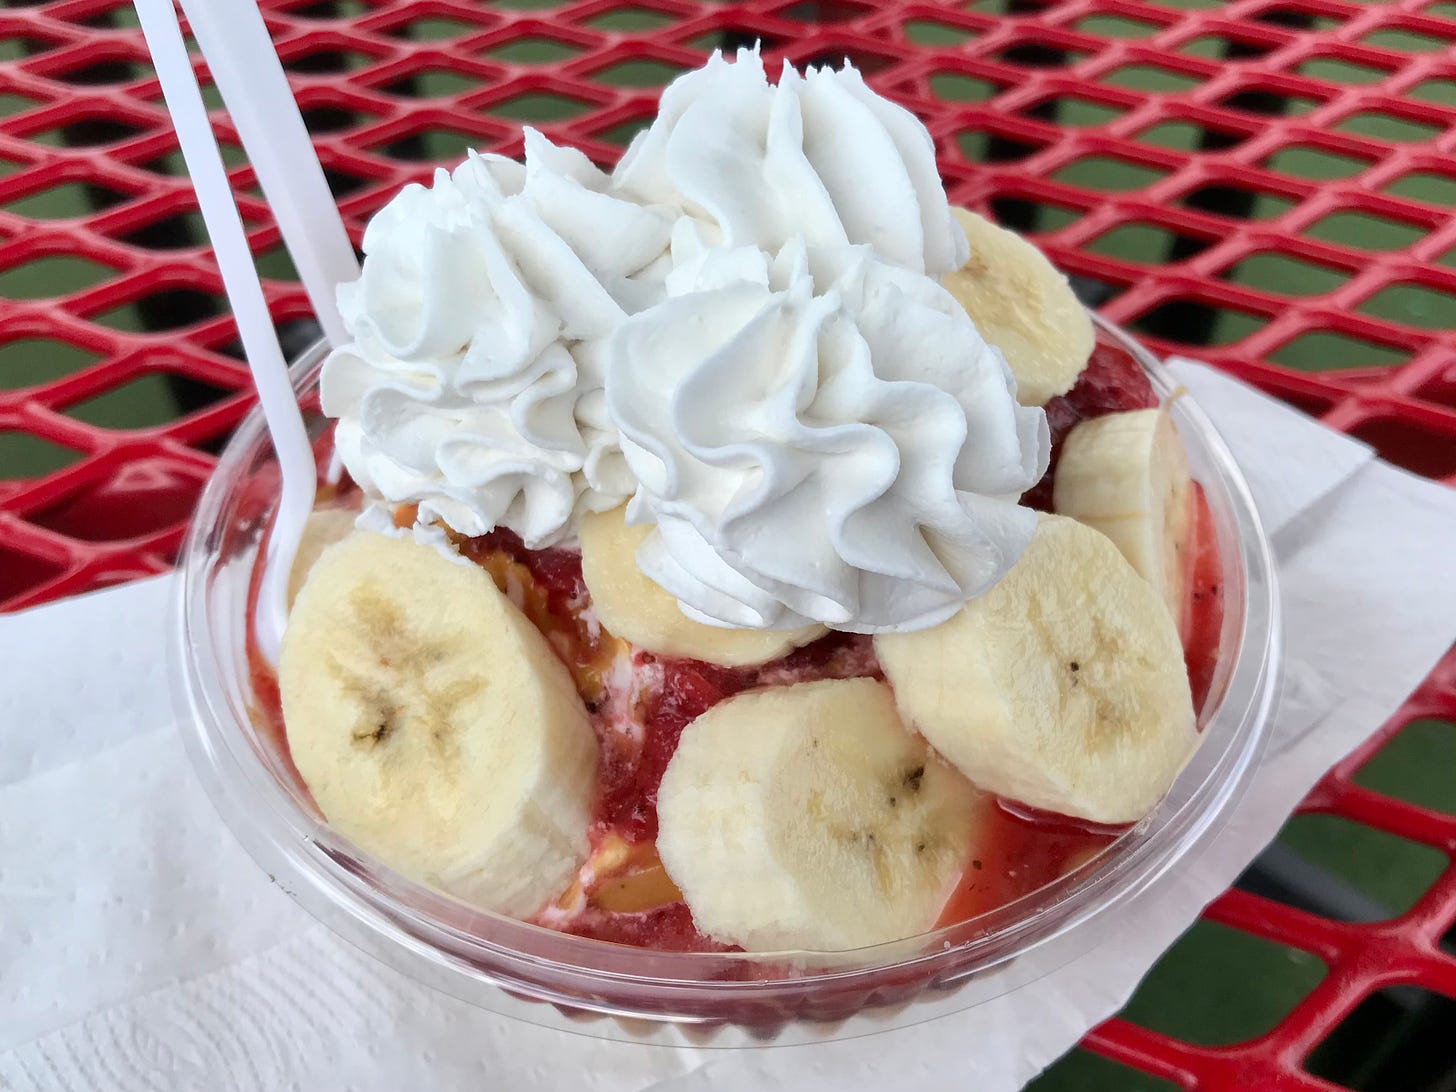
[473, 384]
[820, 436]
[818, 155]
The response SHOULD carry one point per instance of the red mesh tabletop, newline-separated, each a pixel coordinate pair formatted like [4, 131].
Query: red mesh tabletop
[1266, 184]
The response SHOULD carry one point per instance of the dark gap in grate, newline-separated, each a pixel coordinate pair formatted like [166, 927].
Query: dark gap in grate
[1082, 1071]
[67, 201]
[329, 59]
[122, 16]
[1308, 161]
[1236, 202]
[1197, 322]
[165, 309]
[16, 104]
[538, 107]
[1389, 127]
[958, 87]
[1295, 19]
[1189, 136]
[1396, 1040]
[1199, 991]
[924, 32]
[1150, 77]
[322, 120]
[139, 499]
[431, 83]
[622, 133]
[330, 10]
[1415, 766]
[100, 74]
[624, 20]
[532, 51]
[1343, 870]
[1427, 186]
[641, 72]
[1149, 244]
[90, 132]
[433, 28]
[21, 572]
[1442, 92]
[1037, 216]
[1093, 291]
[1331, 350]
[1116, 26]
[1407, 41]
[1341, 71]
[1420, 450]
[1413, 305]
[1217, 47]
[826, 11]
[25, 456]
[432, 145]
[52, 275]
[1073, 112]
[979, 146]
[1271, 271]
[1269, 103]
[341, 183]
[1108, 174]
[144, 401]
[24, 46]
[1365, 230]
[33, 361]
[1040, 55]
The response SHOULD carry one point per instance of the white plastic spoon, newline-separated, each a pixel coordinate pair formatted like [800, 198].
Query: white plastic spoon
[245, 294]
[249, 76]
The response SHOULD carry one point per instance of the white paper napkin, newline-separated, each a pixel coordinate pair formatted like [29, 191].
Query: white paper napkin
[140, 948]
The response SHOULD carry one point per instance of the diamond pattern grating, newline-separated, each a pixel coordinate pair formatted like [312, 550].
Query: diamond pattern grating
[1266, 183]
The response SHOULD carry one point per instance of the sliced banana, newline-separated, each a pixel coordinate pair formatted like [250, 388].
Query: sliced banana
[1126, 474]
[633, 607]
[434, 725]
[1023, 306]
[1063, 687]
[809, 817]
[323, 528]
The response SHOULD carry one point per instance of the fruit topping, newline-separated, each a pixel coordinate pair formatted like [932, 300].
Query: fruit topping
[1063, 688]
[434, 725]
[810, 817]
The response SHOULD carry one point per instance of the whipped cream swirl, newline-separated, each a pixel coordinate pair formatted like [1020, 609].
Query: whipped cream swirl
[473, 385]
[818, 155]
[820, 436]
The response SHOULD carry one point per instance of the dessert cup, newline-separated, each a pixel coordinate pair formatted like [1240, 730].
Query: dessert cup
[719, 999]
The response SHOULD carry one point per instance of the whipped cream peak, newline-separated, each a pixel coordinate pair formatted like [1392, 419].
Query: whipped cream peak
[817, 154]
[820, 436]
[473, 383]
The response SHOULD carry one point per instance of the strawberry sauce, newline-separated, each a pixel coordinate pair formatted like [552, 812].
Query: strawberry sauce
[640, 703]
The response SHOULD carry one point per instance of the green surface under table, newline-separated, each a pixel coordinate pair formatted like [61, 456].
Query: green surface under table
[1216, 985]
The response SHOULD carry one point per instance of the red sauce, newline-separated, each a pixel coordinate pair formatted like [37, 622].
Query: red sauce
[639, 716]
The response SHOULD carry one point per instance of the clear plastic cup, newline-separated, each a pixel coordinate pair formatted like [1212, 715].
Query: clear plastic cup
[720, 999]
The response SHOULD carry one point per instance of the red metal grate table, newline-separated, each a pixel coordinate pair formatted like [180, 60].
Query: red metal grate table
[1286, 162]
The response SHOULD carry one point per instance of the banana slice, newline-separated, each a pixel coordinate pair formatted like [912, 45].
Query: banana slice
[1126, 474]
[434, 725]
[809, 817]
[323, 528]
[1063, 687]
[635, 608]
[1024, 307]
